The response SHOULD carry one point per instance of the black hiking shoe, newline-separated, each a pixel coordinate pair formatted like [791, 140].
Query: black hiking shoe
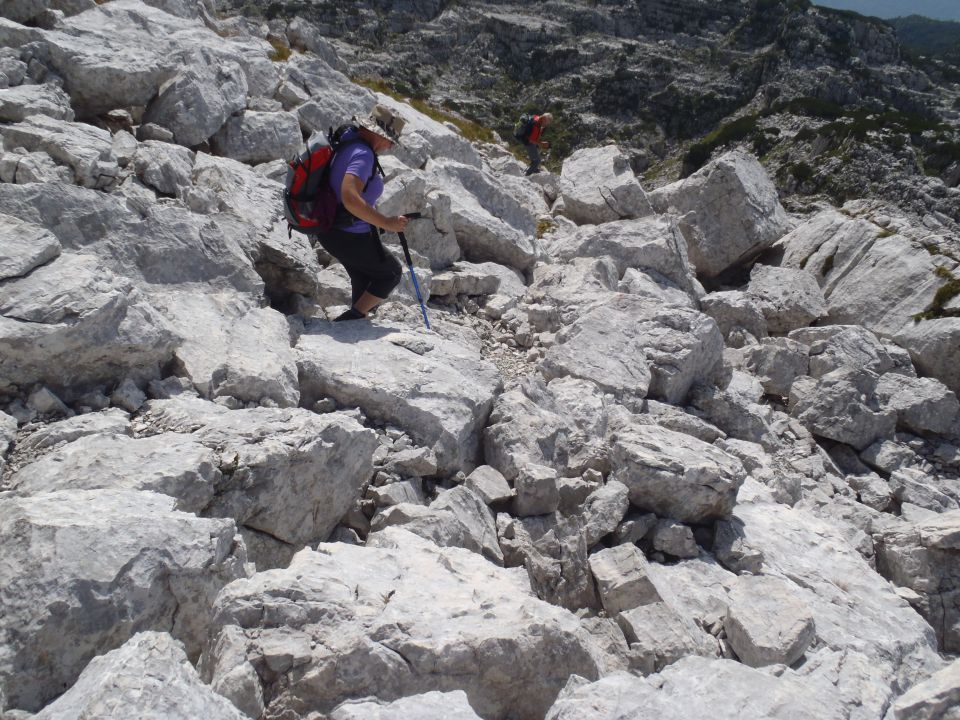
[351, 314]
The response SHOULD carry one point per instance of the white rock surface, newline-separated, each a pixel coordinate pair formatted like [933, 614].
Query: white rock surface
[398, 619]
[672, 474]
[438, 391]
[24, 247]
[148, 677]
[789, 299]
[257, 137]
[633, 347]
[84, 570]
[765, 623]
[428, 706]
[732, 207]
[698, 687]
[598, 186]
[938, 697]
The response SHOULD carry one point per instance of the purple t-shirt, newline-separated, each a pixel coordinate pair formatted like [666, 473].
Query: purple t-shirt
[356, 159]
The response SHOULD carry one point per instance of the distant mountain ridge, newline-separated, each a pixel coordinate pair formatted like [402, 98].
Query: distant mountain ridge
[937, 9]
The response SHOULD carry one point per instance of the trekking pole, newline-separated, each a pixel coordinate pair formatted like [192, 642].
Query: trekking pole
[413, 275]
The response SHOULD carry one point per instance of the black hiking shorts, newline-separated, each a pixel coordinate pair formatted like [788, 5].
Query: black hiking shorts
[370, 267]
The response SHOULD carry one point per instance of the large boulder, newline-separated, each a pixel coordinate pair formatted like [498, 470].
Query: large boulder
[672, 474]
[18, 103]
[922, 556]
[427, 706]
[923, 405]
[85, 570]
[425, 138]
[765, 623]
[843, 405]
[72, 322]
[437, 390]
[85, 149]
[598, 186]
[733, 210]
[652, 243]
[938, 697]
[699, 687]
[835, 346]
[933, 344]
[148, 676]
[633, 347]
[558, 425]
[398, 618]
[323, 460]
[490, 223]
[258, 137]
[197, 101]
[854, 609]
[24, 247]
[788, 298]
[117, 55]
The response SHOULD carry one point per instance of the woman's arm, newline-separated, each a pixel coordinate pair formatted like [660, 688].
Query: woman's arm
[351, 191]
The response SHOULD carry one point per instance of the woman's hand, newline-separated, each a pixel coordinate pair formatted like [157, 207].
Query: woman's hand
[395, 224]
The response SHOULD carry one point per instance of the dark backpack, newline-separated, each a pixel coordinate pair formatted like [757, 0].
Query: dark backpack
[309, 202]
[523, 128]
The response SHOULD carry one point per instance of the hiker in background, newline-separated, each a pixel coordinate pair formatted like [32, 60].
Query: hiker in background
[354, 239]
[529, 135]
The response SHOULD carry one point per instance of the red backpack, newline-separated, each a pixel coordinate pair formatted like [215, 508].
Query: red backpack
[309, 202]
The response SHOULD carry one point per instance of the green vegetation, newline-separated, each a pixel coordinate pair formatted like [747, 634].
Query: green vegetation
[281, 51]
[545, 226]
[472, 131]
[947, 292]
[699, 153]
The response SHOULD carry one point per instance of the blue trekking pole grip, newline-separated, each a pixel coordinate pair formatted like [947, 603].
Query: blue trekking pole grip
[413, 275]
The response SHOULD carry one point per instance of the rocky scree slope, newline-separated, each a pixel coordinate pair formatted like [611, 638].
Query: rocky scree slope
[591, 488]
[827, 99]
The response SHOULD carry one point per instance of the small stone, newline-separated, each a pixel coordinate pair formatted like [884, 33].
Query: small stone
[674, 538]
[324, 405]
[623, 580]
[45, 402]
[128, 396]
[489, 484]
[537, 491]
[634, 528]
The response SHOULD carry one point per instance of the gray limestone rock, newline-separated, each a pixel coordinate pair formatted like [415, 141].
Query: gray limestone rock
[257, 137]
[674, 475]
[923, 405]
[72, 321]
[85, 570]
[733, 309]
[395, 619]
[560, 425]
[603, 510]
[835, 346]
[553, 551]
[650, 244]
[198, 100]
[439, 391]
[323, 460]
[457, 518]
[599, 186]
[765, 623]
[658, 636]
[922, 556]
[938, 697]
[168, 464]
[853, 608]
[148, 677]
[163, 167]
[777, 362]
[789, 299]
[536, 490]
[674, 539]
[843, 406]
[699, 687]
[18, 103]
[732, 207]
[489, 484]
[427, 706]
[633, 347]
[933, 345]
[623, 579]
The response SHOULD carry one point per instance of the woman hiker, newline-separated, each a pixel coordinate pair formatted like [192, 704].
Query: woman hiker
[354, 239]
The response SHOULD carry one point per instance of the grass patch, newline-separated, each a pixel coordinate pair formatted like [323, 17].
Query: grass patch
[545, 226]
[947, 292]
[281, 51]
[472, 131]
[699, 153]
